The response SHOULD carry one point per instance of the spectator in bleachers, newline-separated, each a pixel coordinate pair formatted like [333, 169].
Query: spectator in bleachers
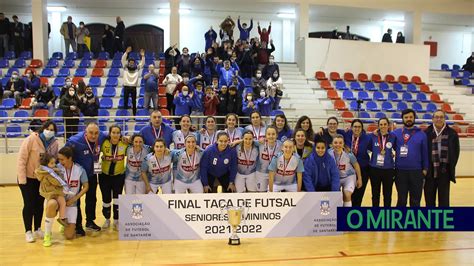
[151, 87]
[198, 101]
[305, 123]
[183, 101]
[108, 40]
[248, 104]
[283, 129]
[70, 103]
[211, 102]
[81, 89]
[67, 84]
[246, 61]
[275, 88]
[210, 36]
[258, 82]
[197, 66]
[387, 37]
[270, 68]
[348, 35]
[234, 101]
[263, 54]
[171, 58]
[32, 81]
[16, 88]
[223, 96]
[469, 66]
[18, 34]
[244, 31]
[4, 34]
[131, 75]
[184, 62]
[118, 35]
[1, 90]
[227, 72]
[157, 129]
[400, 37]
[226, 32]
[265, 103]
[68, 31]
[81, 33]
[264, 34]
[45, 98]
[170, 81]
[89, 105]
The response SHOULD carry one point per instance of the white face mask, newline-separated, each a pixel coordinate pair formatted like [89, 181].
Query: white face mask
[185, 93]
[249, 98]
[185, 80]
[271, 61]
[15, 77]
[71, 93]
[262, 94]
[259, 76]
[48, 134]
[68, 83]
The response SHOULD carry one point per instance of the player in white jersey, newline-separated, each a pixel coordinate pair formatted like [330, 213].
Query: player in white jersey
[268, 148]
[286, 170]
[180, 135]
[349, 169]
[257, 126]
[135, 156]
[207, 136]
[156, 169]
[187, 162]
[231, 128]
[247, 158]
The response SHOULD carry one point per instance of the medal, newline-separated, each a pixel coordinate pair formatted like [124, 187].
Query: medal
[382, 152]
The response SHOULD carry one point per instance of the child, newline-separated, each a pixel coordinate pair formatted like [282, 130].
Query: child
[52, 186]
[211, 101]
[265, 103]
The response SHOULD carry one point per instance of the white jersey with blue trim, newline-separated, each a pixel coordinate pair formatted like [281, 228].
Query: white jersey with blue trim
[247, 160]
[235, 134]
[186, 167]
[258, 133]
[205, 139]
[266, 153]
[285, 170]
[158, 171]
[344, 163]
[178, 138]
[134, 163]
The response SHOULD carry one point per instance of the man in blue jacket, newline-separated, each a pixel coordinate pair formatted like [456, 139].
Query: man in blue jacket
[86, 146]
[320, 170]
[412, 161]
[157, 129]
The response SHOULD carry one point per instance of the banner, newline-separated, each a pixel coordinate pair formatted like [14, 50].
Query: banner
[201, 216]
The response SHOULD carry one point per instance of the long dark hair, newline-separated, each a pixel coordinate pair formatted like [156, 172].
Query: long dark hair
[310, 132]
[156, 141]
[306, 142]
[110, 131]
[246, 132]
[286, 128]
[47, 124]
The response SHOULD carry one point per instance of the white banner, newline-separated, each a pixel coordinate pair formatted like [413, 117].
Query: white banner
[202, 216]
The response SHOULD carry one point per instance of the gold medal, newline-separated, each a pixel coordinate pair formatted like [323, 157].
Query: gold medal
[382, 152]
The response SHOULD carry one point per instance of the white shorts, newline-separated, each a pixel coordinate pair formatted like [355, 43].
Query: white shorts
[245, 183]
[165, 188]
[287, 188]
[134, 187]
[262, 181]
[71, 212]
[181, 187]
[348, 183]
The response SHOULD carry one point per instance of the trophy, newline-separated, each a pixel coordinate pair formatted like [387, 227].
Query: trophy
[235, 215]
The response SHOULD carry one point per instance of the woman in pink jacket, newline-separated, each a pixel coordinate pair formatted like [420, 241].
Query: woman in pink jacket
[31, 150]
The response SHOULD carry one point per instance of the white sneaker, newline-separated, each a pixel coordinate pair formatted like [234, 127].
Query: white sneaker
[39, 234]
[116, 225]
[106, 224]
[29, 237]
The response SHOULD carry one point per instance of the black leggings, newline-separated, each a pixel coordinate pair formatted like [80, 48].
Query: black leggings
[223, 180]
[381, 177]
[358, 194]
[129, 91]
[32, 204]
[111, 187]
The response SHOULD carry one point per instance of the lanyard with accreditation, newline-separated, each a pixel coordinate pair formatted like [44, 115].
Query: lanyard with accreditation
[95, 153]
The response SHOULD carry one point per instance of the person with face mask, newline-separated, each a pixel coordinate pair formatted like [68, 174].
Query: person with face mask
[65, 89]
[45, 98]
[320, 170]
[263, 54]
[265, 103]
[249, 105]
[31, 150]
[70, 103]
[16, 88]
[411, 161]
[131, 75]
[81, 33]
[275, 88]
[32, 81]
[183, 101]
[270, 68]
[68, 31]
[89, 105]
[258, 82]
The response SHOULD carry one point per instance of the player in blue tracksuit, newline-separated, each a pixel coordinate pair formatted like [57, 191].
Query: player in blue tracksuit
[157, 129]
[226, 73]
[86, 146]
[183, 101]
[320, 170]
[412, 161]
[219, 161]
[357, 140]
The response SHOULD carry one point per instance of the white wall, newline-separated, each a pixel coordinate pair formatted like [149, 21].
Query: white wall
[454, 47]
[353, 56]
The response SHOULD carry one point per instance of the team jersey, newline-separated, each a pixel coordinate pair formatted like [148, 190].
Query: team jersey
[178, 139]
[265, 155]
[75, 178]
[187, 167]
[205, 139]
[235, 134]
[134, 163]
[258, 133]
[344, 163]
[158, 171]
[118, 154]
[285, 170]
[247, 160]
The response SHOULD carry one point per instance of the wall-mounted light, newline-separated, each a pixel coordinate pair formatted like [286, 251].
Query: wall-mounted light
[286, 15]
[56, 8]
[167, 11]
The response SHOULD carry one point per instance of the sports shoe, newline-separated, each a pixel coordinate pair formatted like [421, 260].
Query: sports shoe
[39, 234]
[106, 224]
[80, 231]
[29, 237]
[47, 240]
[116, 225]
[61, 229]
[92, 226]
[63, 221]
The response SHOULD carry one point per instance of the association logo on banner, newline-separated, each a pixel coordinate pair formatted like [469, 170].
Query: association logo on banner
[325, 208]
[137, 210]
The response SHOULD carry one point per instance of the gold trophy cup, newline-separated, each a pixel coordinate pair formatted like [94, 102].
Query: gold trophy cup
[235, 215]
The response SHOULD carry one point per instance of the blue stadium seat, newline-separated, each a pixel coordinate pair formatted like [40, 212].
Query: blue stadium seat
[10, 71]
[417, 107]
[122, 112]
[149, 62]
[134, 55]
[26, 55]
[455, 74]
[369, 86]
[109, 92]
[64, 72]
[142, 92]
[111, 82]
[103, 56]
[401, 106]
[105, 114]
[363, 115]
[341, 85]
[71, 56]
[52, 63]
[121, 105]
[5, 81]
[387, 107]
[7, 104]
[348, 95]
[4, 63]
[20, 116]
[118, 56]
[161, 56]
[116, 64]
[58, 116]
[431, 107]
[143, 112]
[150, 55]
[145, 70]
[9, 55]
[106, 103]
[59, 82]
[140, 102]
[80, 72]
[57, 56]
[139, 127]
[384, 87]
[427, 116]
[114, 73]
[94, 82]
[378, 96]
[14, 131]
[372, 106]
[124, 128]
[69, 63]
[379, 115]
[421, 97]
[57, 91]
[355, 86]
[412, 88]
[445, 67]
[363, 95]
[456, 67]
[466, 74]
[88, 55]
[20, 63]
[60, 132]
[406, 96]
[398, 87]
[396, 116]
[47, 72]
[353, 106]
[3, 113]
[85, 63]
[393, 96]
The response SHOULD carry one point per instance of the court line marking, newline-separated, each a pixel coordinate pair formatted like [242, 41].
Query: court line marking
[343, 255]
